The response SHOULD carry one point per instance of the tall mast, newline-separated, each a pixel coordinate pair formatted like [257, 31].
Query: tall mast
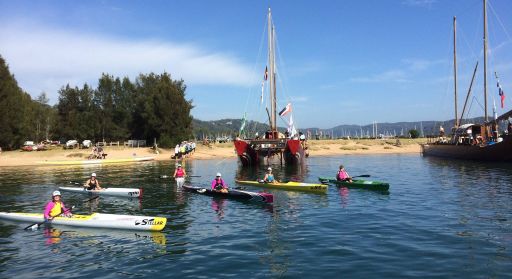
[271, 59]
[455, 68]
[485, 59]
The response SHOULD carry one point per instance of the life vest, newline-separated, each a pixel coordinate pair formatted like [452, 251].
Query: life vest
[57, 209]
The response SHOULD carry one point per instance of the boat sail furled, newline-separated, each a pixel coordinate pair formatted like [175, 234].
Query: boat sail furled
[480, 142]
[273, 144]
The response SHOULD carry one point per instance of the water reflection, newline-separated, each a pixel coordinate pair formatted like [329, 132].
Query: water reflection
[56, 235]
[218, 205]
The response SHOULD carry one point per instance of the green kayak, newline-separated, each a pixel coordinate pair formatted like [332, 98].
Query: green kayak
[358, 183]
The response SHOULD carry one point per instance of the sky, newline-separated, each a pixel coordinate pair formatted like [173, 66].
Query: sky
[338, 62]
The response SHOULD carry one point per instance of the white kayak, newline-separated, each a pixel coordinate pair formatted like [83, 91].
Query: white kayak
[95, 220]
[118, 192]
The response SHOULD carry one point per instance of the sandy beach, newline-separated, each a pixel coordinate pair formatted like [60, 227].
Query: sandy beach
[224, 150]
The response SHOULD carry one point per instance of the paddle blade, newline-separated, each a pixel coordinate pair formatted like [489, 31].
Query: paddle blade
[363, 175]
[32, 227]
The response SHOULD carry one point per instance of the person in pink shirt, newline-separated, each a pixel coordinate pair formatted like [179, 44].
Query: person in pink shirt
[179, 175]
[219, 185]
[342, 175]
[55, 207]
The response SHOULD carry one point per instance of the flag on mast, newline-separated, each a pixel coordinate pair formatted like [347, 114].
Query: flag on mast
[242, 127]
[262, 90]
[286, 110]
[500, 91]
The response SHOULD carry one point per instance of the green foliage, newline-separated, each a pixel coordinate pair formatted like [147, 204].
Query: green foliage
[18, 111]
[414, 133]
[152, 107]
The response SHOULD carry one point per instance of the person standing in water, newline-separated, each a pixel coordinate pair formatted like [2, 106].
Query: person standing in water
[179, 175]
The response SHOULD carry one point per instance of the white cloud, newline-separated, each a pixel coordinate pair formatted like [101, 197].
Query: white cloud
[419, 3]
[44, 59]
[422, 64]
[396, 76]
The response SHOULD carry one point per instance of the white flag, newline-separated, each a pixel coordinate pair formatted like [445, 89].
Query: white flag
[262, 90]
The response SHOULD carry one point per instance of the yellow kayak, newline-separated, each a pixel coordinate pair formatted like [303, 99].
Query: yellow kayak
[291, 185]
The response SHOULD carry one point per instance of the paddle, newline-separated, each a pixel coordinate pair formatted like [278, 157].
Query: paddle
[363, 175]
[37, 225]
[169, 176]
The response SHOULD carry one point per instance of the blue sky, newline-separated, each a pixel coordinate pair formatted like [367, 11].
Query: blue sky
[339, 62]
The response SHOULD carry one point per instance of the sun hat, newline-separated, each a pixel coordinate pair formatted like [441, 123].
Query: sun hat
[56, 193]
[93, 174]
[269, 168]
[218, 174]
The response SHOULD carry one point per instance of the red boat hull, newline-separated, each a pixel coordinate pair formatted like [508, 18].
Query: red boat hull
[254, 152]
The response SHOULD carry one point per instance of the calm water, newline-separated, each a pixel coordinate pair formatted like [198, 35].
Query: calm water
[440, 219]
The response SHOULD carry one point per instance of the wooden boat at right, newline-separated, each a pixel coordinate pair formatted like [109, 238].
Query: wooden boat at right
[481, 142]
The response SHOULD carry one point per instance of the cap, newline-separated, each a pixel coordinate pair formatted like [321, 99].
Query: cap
[341, 166]
[218, 174]
[56, 193]
[93, 174]
[269, 169]
[179, 165]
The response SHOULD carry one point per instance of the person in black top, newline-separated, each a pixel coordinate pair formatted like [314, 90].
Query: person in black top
[92, 183]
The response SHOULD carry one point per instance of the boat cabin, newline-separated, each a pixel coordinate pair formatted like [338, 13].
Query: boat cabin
[468, 134]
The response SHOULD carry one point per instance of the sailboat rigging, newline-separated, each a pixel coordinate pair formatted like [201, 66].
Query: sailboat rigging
[273, 144]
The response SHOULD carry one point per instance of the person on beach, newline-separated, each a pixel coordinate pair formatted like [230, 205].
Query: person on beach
[179, 175]
[92, 183]
[269, 177]
[55, 208]
[219, 185]
[342, 175]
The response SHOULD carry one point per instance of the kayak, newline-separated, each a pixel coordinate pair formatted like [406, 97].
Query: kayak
[357, 183]
[98, 161]
[291, 185]
[95, 220]
[232, 193]
[118, 192]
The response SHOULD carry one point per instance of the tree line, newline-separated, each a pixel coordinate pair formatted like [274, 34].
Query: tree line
[150, 107]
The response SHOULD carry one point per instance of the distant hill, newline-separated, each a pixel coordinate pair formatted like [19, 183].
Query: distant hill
[230, 128]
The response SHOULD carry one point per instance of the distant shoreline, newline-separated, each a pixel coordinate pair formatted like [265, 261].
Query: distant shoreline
[216, 151]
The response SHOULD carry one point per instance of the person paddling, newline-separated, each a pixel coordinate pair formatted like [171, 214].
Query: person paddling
[92, 183]
[55, 208]
[179, 175]
[342, 175]
[219, 185]
[269, 177]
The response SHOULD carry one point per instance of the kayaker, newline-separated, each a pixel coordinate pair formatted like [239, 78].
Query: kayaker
[219, 185]
[179, 175]
[92, 183]
[55, 207]
[269, 177]
[342, 175]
